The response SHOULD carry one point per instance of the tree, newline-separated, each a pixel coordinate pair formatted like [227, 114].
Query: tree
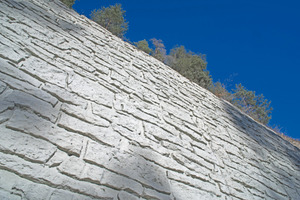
[219, 89]
[112, 19]
[190, 65]
[159, 50]
[68, 3]
[144, 46]
[256, 106]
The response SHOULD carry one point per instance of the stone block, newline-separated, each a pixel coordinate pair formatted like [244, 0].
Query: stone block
[133, 166]
[26, 87]
[32, 124]
[189, 192]
[23, 145]
[39, 106]
[5, 195]
[91, 90]
[200, 183]
[51, 177]
[72, 166]
[84, 114]
[104, 135]
[57, 158]
[124, 196]
[65, 96]
[44, 71]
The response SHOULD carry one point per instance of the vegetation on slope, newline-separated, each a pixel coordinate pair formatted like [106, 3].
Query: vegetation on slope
[111, 18]
[191, 65]
[194, 67]
[68, 3]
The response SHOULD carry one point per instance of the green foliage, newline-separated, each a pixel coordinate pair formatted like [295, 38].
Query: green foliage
[256, 106]
[144, 46]
[68, 3]
[159, 50]
[190, 65]
[111, 18]
[220, 90]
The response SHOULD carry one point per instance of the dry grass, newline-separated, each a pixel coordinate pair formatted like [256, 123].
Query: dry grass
[293, 141]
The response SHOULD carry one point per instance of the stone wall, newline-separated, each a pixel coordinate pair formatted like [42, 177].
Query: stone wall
[84, 115]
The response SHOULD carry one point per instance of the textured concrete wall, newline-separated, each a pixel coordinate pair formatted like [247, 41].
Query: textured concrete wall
[84, 115]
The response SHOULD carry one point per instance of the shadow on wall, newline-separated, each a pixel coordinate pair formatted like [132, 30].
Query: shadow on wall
[122, 175]
[13, 99]
[26, 110]
[121, 170]
[145, 179]
[277, 161]
[125, 172]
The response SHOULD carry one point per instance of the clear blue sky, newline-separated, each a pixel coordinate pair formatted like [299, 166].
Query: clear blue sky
[256, 42]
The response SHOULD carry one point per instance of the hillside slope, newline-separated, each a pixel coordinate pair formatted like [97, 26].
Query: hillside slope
[84, 115]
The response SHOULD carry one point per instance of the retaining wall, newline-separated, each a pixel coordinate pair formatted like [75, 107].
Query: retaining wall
[84, 115]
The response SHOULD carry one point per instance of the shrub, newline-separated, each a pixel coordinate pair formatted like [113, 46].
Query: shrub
[144, 46]
[190, 65]
[112, 19]
[68, 3]
[220, 90]
[256, 106]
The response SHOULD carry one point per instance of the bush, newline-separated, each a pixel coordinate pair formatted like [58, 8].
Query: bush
[220, 90]
[256, 106]
[68, 3]
[112, 19]
[144, 46]
[190, 65]
[159, 51]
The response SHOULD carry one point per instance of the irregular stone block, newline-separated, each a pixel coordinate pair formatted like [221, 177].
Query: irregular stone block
[44, 71]
[91, 90]
[51, 177]
[26, 146]
[41, 128]
[39, 106]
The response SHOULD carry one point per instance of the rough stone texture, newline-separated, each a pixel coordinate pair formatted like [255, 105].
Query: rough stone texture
[84, 115]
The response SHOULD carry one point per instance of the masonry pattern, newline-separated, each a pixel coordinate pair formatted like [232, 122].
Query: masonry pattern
[85, 115]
